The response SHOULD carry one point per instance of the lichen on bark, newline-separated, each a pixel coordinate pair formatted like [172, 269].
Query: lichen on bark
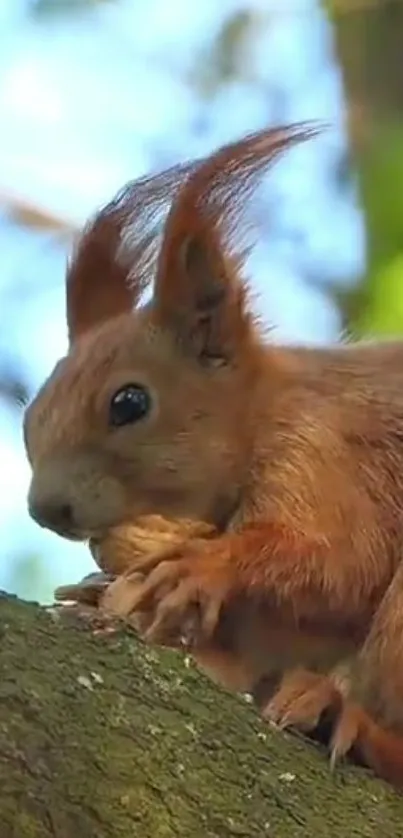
[104, 737]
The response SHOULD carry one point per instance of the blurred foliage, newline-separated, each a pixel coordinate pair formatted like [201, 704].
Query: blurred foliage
[381, 181]
[224, 58]
[369, 45]
[29, 578]
[15, 390]
[39, 8]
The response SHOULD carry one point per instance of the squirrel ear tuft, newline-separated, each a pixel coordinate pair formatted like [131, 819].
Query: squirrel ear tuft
[198, 294]
[114, 259]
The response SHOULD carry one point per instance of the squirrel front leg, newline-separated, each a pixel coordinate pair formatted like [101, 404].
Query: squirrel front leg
[301, 580]
[301, 583]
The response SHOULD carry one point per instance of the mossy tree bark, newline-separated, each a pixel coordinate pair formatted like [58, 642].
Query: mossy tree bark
[103, 737]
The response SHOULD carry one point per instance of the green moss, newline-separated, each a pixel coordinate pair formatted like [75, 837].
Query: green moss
[105, 737]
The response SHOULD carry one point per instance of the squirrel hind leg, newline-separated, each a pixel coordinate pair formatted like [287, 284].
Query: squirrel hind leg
[315, 704]
[369, 744]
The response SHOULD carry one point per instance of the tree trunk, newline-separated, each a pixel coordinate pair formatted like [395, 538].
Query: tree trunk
[103, 737]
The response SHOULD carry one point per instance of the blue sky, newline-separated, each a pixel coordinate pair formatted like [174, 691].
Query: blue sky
[91, 100]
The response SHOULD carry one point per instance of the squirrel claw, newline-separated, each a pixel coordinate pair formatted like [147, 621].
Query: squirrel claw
[177, 593]
[347, 731]
[301, 700]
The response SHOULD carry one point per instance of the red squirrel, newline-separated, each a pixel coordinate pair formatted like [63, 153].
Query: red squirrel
[182, 407]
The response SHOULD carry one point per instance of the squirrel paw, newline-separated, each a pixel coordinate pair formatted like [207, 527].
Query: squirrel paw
[181, 591]
[350, 731]
[126, 554]
[301, 700]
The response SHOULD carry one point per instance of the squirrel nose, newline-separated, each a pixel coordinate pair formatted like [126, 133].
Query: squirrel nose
[53, 514]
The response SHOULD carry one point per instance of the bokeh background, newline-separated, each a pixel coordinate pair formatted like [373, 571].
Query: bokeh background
[95, 93]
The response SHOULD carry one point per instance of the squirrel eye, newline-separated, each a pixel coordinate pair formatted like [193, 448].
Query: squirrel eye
[129, 404]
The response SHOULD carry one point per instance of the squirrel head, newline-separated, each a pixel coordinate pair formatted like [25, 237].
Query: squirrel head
[151, 410]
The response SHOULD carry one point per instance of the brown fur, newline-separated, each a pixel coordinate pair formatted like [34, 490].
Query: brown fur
[294, 454]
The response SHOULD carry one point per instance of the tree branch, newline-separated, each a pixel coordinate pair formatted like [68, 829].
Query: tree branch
[103, 736]
[30, 214]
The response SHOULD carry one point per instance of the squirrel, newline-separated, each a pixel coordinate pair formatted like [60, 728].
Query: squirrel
[181, 407]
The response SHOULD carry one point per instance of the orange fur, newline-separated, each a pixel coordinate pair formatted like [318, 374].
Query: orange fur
[293, 454]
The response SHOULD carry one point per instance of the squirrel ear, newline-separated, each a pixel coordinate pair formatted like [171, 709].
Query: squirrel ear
[198, 293]
[115, 256]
